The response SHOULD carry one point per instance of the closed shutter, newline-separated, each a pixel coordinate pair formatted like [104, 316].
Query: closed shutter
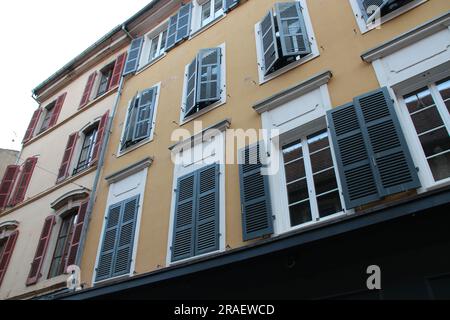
[57, 109]
[24, 181]
[268, 43]
[102, 127]
[184, 22]
[172, 32]
[257, 220]
[8, 184]
[76, 235]
[291, 24]
[229, 5]
[134, 53]
[117, 71]
[32, 126]
[209, 75]
[67, 157]
[128, 133]
[88, 89]
[191, 88]
[145, 112]
[5, 257]
[36, 265]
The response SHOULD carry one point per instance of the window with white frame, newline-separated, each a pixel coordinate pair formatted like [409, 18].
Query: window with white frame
[89, 137]
[211, 10]
[428, 110]
[105, 79]
[48, 112]
[156, 45]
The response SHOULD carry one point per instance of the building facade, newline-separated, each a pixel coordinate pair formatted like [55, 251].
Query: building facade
[7, 157]
[265, 149]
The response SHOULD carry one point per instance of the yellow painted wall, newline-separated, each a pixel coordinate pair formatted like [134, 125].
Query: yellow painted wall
[341, 45]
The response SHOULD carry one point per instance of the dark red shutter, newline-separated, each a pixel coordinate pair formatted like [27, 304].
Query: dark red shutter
[32, 125]
[100, 137]
[67, 157]
[88, 89]
[24, 181]
[36, 265]
[7, 253]
[8, 184]
[76, 236]
[57, 109]
[117, 72]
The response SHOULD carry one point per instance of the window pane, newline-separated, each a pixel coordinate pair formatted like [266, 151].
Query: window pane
[292, 151]
[298, 191]
[206, 11]
[295, 170]
[154, 48]
[329, 204]
[427, 119]
[300, 213]
[435, 142]
[318, 141]
[218, 7]
[321, 160]
[325, 181]
[444, 89]
[440, 166]
[419, 100]
[163, 42]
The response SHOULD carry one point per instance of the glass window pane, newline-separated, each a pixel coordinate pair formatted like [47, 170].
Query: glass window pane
[419, 100]
[321, 160]
[318, 141]
[206, 12]
[329, 204]
[444, 89]
[300, 213]
[325, 181]
[295, 170]
[298, 191]
[154, 48]
[292, 151]
[218, 7]
[426, 120]
[163, 42]
[435, 142]
[440, 166]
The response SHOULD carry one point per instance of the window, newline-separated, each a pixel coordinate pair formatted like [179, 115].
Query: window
[87, 149]
[204, 81]
[157, 45]
[105, 79]
[48, 112]
[428, 109]
[141, 117]
[63, 244]
[211, 10]
[312, 187]
[372, 9]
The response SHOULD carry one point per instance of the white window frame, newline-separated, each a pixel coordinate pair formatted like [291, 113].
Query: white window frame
[312, 39]
[223, 95]
[158, 31]
[196, 20]
[366, 27]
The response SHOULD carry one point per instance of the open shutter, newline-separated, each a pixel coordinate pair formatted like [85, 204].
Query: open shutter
[117, 71]
[184, 231]
[172, 32]
[257, 220]
[109, 243]
[191, 88]
[229, 5]
[76, 235]
[393, 166]
[291, 24]
[184, 22]
[5, 257]
[145, 114]
[88, 89]
[130, 124]
[36, 265]
[8, 184]
[57, 109]
[209, 75]
[32, 126]
[100, 136]
[207, 215]
[24, 181]
[134, 53]
[125, 242]
[268, 43]
[67, 157]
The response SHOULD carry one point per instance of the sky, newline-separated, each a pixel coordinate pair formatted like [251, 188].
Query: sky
[40, 37]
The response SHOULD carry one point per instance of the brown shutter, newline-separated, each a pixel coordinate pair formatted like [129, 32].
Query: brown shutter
[32, 125]
[88, 89]
[36, 265]
[117, 72]
[68, 153]
[76, 236]
[100, 136]
[57, 109]
[24, 181]
[5, 257]
[8, 184]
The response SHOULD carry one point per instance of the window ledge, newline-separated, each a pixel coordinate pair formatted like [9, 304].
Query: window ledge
[196, 258]
[134, 147]
[99, 98]
[151, 63]
[202, 112]
[207, 26]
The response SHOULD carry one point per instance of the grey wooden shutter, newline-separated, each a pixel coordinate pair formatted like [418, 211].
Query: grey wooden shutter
[257, 220]
[184, 22]
[184, 222]
[130, 123]
[109, 243]
[207, 215]
[291, 25]
[209, 75]
[145, 112]
[171, 32]
[268, 43]
[191, 87]
[134, 53]
[394, 168]
[229, 5]
[353, 161]
[124, 246]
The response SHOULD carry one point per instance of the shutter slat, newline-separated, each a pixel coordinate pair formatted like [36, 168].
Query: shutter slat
[171, 32]
[257, 220]
[209, 75]
[76, 235]
[100, 137]
[269, 43]
[24, 181]
[117, 71]
[184, 22]
[88, 90]
[229, 5]
[7, 185]
[67, 157]
[145, 112]
[36, 265]
[191, 91]
[5, 257]
[32, 126]
[57, 109]
[134, 54]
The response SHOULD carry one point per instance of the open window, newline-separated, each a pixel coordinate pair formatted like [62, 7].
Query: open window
[88, 138]
[47, 116]
[105, 79]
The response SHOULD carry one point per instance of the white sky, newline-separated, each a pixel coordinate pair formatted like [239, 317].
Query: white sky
[38, 38]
